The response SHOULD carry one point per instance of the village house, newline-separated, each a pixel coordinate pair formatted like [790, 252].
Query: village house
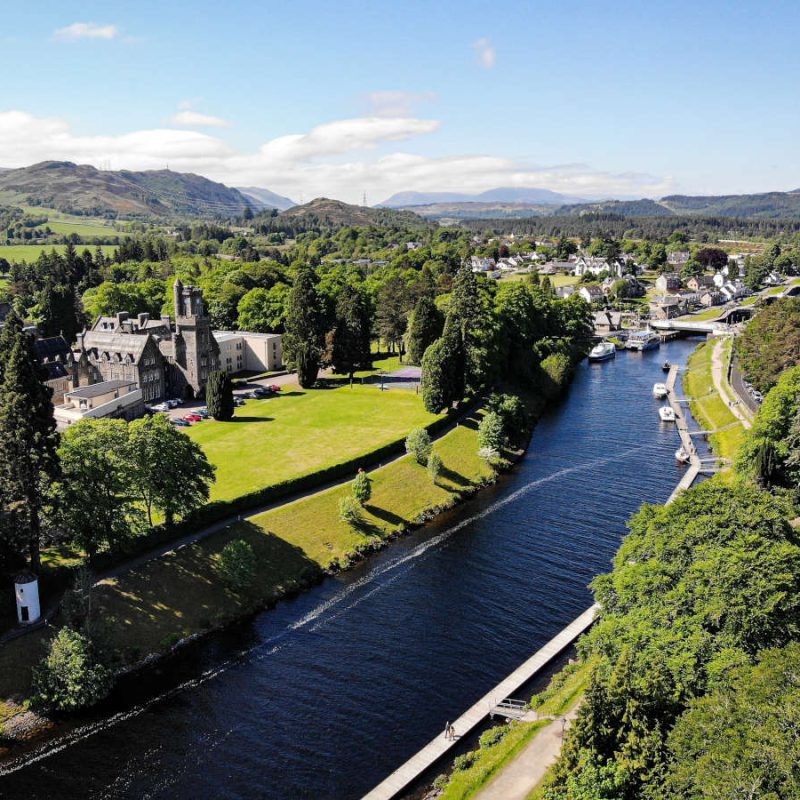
[565, 291]
[591, 265]
[592, 293]
[481, 264]
[699, 282]
[607, 322]
[666, 307]
[678, 258]
[710, 297]
[668, 282]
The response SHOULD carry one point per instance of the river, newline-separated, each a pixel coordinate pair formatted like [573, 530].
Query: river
[328, 693]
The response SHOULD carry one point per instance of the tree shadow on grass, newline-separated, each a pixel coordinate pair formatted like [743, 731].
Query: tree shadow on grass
[295, 393]
[183, 592]
[454, 477]
[387, 516]
[237, 418]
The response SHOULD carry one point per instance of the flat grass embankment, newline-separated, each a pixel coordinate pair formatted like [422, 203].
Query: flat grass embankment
[30, 252]
[302, 431]
[501, 745]
[711, 410]
[149, 609]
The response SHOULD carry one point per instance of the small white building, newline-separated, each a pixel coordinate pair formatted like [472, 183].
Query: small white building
[241, 351]
[107, 399]
[26, 592]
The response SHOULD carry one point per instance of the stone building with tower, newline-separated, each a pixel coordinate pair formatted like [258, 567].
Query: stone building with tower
[166, 358]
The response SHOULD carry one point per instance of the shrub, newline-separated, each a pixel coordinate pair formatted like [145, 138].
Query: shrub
[435, 465]
[236, 565]
[490, 432]
[418, 443]
[69, 677]
[350, 511]
[461, 763]
[362, 488]
[494, 735]
[556, 369]
[511, 410]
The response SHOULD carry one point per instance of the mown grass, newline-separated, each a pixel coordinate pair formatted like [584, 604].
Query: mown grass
[168, 598]
[30, 252]
[555, 280]
[301, 431]
[710, 409]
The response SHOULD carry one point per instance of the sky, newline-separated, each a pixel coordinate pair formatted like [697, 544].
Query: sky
[594, 98]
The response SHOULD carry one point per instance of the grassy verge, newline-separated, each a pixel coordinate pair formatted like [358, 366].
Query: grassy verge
[149, 609]
[710, 409]
[501, 744]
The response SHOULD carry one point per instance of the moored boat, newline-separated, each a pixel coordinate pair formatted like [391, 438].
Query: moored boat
[643, 340]
[603, 351]
[666, 414]
[666, 366]
[660, 390]
[682, 455]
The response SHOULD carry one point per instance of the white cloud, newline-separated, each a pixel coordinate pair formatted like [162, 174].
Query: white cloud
[396, 103]
[333, 160]
[87, 30]
[484, 52]
[194, 119]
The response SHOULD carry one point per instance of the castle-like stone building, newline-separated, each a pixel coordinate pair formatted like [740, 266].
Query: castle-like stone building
[165, 359]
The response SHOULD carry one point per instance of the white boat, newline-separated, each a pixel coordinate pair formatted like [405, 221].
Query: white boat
[682, 455]
[666, 414]
[660, 390]
[643, 340]
[602, 351]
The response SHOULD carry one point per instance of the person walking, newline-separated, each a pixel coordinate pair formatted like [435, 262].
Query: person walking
[447, 730]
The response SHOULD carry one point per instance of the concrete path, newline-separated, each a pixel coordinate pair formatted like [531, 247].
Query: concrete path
[519, 778]
[719, 376]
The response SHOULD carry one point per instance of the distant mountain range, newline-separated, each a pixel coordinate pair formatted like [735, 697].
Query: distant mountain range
[84, 189]
[267, 198]
[520, 203]
[539, 197]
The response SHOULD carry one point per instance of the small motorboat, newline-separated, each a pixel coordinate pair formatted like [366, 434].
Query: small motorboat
[603, 351]
[666, 366]
[660, 390]
[666, 413]
[682, 455]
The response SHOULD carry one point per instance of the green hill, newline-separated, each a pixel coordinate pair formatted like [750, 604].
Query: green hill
[83, 189]
[324, 213]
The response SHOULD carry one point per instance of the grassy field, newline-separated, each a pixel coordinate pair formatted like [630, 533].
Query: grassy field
[30, 252]
[563, 693]
[301, 431]
[709, 409]
[555, 280]
[292, 543]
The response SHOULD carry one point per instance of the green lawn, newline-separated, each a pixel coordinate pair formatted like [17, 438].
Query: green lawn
[302, 431]
[555, 280]
[291, 543]
[30, 252]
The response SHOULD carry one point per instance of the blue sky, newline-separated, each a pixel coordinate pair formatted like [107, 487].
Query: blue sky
[319, 98]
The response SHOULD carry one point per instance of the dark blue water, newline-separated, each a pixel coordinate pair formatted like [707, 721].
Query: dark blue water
[325, 695]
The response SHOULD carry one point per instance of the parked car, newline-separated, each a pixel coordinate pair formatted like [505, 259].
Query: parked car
[193, 418]
[238, 401]
[203, 412]
[161, 407]
[181, 423]
[174, 403]
[275, 388]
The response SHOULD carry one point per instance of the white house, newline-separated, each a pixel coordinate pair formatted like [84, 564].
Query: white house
[668, 282]
[480, 264]
[107, 399]
[591, 293]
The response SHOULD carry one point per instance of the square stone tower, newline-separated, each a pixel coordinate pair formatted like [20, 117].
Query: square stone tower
[196, 350]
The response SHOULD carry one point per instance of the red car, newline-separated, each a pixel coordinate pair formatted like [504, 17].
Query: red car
[274, 388]
[192, 417]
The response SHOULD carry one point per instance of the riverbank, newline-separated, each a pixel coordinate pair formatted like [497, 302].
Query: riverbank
[157, 607]
[518, 770]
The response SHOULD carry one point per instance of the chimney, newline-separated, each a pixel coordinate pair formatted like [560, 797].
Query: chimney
[143, 318]
[121, 317]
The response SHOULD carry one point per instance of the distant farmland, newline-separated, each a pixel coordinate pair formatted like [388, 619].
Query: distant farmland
[30, 252]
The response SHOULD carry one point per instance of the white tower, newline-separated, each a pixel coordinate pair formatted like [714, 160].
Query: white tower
[26, 589]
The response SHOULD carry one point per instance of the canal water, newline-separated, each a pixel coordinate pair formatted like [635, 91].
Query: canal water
[325, 695]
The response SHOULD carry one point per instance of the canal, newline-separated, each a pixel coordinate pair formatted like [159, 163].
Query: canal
[325, 695]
